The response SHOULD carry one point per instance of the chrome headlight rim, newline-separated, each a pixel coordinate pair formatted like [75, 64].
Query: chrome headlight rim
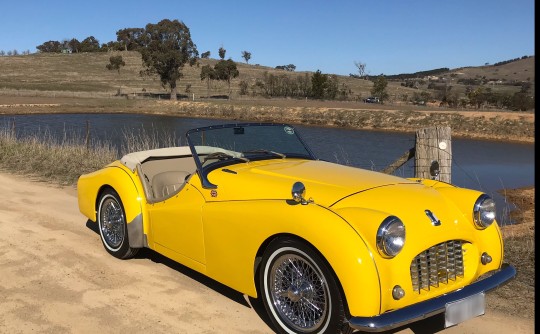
[390, 237]
[484, 212]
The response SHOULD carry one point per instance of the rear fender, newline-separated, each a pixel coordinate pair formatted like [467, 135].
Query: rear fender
[129, 188]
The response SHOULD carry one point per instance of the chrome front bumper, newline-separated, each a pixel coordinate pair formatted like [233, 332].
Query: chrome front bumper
[428, 308]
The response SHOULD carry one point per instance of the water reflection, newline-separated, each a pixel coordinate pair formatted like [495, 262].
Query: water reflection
[483, 165]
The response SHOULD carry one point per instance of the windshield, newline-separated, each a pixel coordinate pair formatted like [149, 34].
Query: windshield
[221, 145]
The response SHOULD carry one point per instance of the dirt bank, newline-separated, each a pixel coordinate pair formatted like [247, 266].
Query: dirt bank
[57, 278]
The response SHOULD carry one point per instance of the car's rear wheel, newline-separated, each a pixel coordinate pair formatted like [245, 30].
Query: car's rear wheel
[299, 290]
[112, 225]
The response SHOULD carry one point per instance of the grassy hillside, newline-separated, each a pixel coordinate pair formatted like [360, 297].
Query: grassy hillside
[86, 75]
[519, 71]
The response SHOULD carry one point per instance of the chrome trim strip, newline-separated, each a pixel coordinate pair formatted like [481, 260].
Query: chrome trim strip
[135, 232]
[428, 308]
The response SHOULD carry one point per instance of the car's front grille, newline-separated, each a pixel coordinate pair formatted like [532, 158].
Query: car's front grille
[440, 264]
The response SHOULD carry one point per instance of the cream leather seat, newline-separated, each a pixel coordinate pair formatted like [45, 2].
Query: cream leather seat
[168, 183]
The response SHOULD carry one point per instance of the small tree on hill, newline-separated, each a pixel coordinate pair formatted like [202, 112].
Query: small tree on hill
[205, 55]
[379, 88]
[208, 74]
[115, 63]
[221, 53]
[246, 55]
[226, 70]
[90, 44]
[318, 84]
[74, 45]
[50, 47]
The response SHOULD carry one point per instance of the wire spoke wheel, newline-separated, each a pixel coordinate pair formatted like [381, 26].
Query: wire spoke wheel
[112, 226]
[299, 292]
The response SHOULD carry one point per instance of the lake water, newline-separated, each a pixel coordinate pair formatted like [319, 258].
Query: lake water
[488, 166]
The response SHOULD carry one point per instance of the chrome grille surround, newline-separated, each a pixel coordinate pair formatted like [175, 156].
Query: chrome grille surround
[439, 264]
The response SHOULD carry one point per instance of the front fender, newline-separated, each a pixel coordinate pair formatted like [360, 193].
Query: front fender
[235, 231]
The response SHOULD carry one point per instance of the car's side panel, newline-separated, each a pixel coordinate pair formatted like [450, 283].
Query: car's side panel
[234, 232]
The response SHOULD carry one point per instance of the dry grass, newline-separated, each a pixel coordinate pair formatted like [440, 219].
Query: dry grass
[517, 297]
[50, 160]
[62, 161]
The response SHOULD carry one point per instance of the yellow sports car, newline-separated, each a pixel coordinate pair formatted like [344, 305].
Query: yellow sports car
[327, 248]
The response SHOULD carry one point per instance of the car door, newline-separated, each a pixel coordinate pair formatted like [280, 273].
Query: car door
[177, 227]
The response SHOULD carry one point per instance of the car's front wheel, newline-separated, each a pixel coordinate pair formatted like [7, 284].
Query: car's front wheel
[112, 225]
[299, 291]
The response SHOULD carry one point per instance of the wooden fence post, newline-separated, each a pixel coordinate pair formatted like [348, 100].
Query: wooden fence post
[433, 144]
[87, 140]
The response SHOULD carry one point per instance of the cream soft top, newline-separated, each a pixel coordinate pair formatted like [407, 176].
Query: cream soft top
[131, 160]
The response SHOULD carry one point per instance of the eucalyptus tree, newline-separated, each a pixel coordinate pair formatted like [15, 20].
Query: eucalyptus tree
[208, 74]
[226, 70]
[379, 88]
[89, 44]
[50, 47]
[131, 38]
[246, 55]
[115, 64]
[319, 83]
[169, 47]
[221, 53]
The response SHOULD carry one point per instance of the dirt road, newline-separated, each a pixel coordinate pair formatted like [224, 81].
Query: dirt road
[55, 277]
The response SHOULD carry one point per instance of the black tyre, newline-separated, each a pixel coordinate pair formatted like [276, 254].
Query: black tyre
[299, 290]
[112, 226]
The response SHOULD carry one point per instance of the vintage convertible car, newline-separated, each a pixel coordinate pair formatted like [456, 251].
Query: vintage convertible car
[327, 248]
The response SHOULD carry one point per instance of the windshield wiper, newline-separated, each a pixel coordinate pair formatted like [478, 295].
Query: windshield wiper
[222, 156]
[281, 155]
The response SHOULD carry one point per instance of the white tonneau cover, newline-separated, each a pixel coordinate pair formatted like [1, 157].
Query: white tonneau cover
[131, 160]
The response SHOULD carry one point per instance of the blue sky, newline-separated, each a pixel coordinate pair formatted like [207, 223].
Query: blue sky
[389, 36]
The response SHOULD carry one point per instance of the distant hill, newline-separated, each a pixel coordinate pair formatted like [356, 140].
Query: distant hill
[521, 70]
[511, 71]
[86, 73]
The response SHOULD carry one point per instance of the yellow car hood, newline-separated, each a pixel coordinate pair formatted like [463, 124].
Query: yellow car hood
[326, 183]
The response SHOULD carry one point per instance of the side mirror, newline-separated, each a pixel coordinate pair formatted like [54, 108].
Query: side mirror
[298, 192]
[434, 169]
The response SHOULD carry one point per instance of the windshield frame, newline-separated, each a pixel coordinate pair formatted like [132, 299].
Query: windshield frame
[204, 170]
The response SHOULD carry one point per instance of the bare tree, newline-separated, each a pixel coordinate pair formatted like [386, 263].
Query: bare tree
[361, 68]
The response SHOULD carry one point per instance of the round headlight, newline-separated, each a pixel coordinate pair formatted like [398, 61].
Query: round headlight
[484, 211]
[390, 237]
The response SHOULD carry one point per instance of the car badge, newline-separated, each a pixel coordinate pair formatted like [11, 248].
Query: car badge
[434, 220]
[213, 193]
